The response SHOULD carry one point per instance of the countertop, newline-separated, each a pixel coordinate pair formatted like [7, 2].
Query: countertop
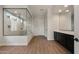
[66, 32]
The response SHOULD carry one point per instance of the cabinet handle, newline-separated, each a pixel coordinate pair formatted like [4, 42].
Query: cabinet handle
[76, 39]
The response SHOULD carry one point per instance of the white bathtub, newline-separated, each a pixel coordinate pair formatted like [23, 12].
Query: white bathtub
[15, 40]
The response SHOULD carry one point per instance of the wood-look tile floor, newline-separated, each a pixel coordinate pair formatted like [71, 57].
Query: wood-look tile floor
[38, 45]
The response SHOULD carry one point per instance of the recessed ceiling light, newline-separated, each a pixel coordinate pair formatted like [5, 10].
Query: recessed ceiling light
[15, 11]
[59, 10]
[67, 11]
[65, 5]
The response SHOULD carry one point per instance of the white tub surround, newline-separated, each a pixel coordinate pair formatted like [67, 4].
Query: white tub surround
[15, 40]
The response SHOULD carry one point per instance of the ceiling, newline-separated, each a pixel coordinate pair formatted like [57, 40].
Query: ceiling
[41, 9]
[56, 8]
[38, 10]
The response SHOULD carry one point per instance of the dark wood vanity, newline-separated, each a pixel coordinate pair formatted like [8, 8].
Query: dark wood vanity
[66, 40]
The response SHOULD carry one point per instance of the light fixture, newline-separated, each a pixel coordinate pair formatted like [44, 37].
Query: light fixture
[15, 12]
[65, 5]
[60, 11]
[21, 21]
[67, 11]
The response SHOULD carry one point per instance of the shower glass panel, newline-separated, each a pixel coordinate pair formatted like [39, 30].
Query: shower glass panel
[16, 21]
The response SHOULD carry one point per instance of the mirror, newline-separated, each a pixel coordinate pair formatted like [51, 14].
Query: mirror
[66, 19]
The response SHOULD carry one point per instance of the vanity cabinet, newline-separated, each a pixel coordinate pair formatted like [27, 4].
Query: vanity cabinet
[70, 42]
[65, 40]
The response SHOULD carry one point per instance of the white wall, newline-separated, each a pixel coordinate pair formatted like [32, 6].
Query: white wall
[38, 25]
[76, 28]
[1, 24]
[53, 24]
[1, 21]
[45, 24]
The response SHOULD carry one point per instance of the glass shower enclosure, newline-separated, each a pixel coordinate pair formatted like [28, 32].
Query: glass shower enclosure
[17, 22]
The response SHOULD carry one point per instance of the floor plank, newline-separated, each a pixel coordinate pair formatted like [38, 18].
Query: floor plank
[38, 45]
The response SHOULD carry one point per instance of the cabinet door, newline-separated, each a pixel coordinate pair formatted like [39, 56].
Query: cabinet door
[59, 37]
[55, 36]
[70, 43]
[63, 41]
